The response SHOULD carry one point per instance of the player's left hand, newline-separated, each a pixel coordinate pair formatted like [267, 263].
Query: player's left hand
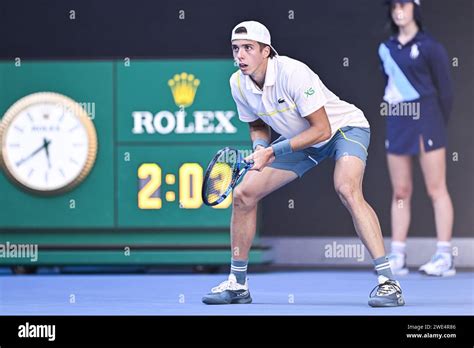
[262, 157]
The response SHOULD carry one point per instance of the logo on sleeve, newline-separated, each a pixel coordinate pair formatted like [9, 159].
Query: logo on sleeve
[309, 92]
[281, 100]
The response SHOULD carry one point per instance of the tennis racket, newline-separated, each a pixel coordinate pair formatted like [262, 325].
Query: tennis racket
[223, 173]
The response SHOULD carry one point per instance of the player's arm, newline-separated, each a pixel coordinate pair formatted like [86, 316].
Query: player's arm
[307, 91]
[260, 133]
[319, 130]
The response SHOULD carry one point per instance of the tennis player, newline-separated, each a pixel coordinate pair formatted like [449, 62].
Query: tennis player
[281, 93]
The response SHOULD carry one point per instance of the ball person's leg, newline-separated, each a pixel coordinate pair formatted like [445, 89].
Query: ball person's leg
[400, 170]
[433, 166]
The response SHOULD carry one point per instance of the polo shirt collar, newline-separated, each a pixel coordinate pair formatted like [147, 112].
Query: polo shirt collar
[270, 76]
[419, 35]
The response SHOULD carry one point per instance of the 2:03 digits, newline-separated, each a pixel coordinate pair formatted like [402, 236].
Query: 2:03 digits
[190, 176]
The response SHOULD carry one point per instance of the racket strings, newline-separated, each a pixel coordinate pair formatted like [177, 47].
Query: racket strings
[220, 176]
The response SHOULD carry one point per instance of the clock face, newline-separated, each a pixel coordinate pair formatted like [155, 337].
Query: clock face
[48, 143]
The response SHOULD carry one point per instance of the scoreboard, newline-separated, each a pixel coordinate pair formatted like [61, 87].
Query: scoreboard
[158, 123]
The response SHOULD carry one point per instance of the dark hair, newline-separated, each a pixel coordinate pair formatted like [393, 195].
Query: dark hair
[243, 30]
[416, 15]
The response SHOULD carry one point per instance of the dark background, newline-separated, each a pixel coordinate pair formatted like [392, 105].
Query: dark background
[321, 35]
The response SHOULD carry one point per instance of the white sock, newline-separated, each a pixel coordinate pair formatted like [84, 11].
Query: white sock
[399, 247]
[444, 248]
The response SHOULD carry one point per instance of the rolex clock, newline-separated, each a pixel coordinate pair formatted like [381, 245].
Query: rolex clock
[48, 143]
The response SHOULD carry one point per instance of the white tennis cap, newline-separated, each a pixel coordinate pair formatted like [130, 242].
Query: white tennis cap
[254, 31]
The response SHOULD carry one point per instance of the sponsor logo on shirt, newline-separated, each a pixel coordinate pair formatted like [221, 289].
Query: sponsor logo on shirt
[309, 92]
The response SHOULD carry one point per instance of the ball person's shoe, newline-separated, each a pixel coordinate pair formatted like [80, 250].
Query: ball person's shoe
[440, 265]
[229, 292]
[387, 293]
[398, 264]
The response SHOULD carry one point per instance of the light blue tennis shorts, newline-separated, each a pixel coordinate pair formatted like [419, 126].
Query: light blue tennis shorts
[347, 141]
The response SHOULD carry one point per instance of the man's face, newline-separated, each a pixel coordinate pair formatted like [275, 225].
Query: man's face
[248, 55]
[402, 13]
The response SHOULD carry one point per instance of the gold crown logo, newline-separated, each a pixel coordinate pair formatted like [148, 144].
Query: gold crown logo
[184, 87]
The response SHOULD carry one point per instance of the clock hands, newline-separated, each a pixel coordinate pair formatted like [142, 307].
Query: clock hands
[45, 145]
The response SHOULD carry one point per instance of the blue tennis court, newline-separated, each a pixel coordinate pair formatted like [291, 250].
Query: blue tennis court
[321, 292]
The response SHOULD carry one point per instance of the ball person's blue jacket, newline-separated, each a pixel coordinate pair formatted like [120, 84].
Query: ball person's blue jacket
[418, 93]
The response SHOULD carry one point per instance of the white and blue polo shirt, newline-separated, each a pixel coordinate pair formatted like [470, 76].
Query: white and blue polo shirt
[291, 92]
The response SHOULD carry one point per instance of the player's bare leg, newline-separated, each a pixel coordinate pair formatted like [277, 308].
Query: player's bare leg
[254, 186]
[246, 196]
[348, 176]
